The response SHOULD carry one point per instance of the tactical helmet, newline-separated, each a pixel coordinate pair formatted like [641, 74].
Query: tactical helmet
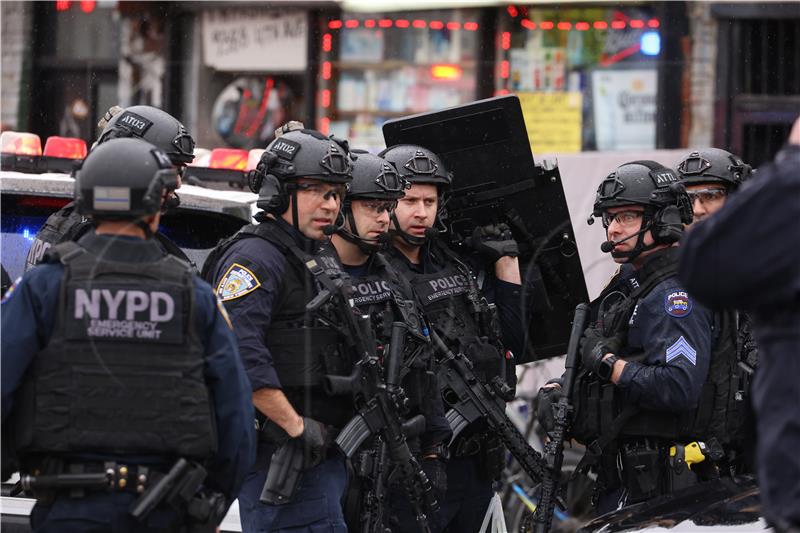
[123, 179]
[418, 165]
[300, 153]
[712, 165]
[374, 178]
[656, 188]
[154, 126]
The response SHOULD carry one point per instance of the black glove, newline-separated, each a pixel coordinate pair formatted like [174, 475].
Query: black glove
[436, 470]
[313, 441]
[595, 346]
[493, 241]
[548, 397]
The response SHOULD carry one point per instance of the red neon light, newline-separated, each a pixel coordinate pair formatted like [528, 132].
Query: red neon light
[453, 25]
[512, 10]
[325, 98]
[42, 201]
[63, 5]
[66, 147]
[581, 26]
[446, 72]
[351, 23]
[600, 25]
[369, 23]
[653, 23]
[327, 42]
[470, 26]
[436, 24]
[326, 70]
[385, 23]
[528, 24]
[402, 23]
[324, 125]
[335, 24]
[228, 158]
[87, 6]
[505, 40]
[622, 54]
[636, 23]
[501, 92]
[546, 25]
[419, 23]
[565, 26]
[504, 69]
[618, 24]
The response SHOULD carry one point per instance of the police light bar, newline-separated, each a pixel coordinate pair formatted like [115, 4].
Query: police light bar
[226, 165]
[22, 152]
[253, 158]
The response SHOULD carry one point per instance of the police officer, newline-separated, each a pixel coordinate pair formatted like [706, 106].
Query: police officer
[381, 292]
[710, 176]
[653, 375]
[141, 121]
[746, 256]
[117, 362]
[456, 307]
[265, 275]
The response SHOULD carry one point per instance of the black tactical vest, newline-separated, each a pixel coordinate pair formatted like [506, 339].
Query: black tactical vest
[303, 349]
[123, 372]
[600, 408]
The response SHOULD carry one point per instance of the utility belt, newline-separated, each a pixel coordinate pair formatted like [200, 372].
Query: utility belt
[180, 488]
[653, 467]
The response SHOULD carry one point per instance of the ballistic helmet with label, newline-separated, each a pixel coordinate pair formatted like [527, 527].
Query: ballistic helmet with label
[307, 154]
[712, 165]
[374, 178]
[123, 179]
[155, 126]
[418, 165]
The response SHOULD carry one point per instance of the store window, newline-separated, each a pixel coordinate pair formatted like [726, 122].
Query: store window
[378, 66]
[586, 76]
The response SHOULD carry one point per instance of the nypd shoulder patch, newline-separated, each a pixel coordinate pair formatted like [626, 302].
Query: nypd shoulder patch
[682, 348]
[678, 304]
[237, 282]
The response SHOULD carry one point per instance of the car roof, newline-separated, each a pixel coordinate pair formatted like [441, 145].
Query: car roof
[237, 203]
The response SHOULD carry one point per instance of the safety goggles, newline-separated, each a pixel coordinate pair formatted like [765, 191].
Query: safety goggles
[707, 195]
[625, 219]
[380, 206]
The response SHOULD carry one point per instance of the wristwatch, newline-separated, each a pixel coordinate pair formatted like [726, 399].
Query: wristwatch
[606, 368]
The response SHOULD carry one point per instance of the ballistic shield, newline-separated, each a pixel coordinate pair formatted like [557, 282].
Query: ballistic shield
[485, 145]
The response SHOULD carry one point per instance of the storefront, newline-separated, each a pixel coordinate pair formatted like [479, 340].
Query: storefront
[375, 66]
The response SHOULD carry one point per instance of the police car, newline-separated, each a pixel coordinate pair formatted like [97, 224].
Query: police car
[203, 218]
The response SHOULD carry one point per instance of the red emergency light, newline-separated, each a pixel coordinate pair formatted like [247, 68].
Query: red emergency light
[20, 143]
[228, 158]
[254, 158]
[66, 147]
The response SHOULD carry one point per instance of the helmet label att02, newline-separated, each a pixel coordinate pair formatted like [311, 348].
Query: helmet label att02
[285, 148]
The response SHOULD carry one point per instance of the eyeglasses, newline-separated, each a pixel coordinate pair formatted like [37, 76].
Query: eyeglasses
[322, 192]
[707, 195]
[379, 206]
[623, 218]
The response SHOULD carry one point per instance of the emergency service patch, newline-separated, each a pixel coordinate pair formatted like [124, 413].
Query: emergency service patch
[237, 282]
[682, 348]
[678, 304]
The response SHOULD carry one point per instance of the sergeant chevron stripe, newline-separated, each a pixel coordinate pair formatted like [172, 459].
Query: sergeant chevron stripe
[682, 348]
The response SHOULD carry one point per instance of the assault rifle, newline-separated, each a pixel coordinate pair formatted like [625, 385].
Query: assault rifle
[382, 403]
[562, 416]
[472, 400]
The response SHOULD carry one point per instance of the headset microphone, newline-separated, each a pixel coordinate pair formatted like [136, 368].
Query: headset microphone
[330, 229]
[607, 246]
[432, 232]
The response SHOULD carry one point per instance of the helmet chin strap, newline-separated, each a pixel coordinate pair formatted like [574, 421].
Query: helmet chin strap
[647, 224]
[367, 246]
[411, 240]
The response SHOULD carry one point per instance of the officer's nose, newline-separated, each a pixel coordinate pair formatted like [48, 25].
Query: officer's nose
[383, 217]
